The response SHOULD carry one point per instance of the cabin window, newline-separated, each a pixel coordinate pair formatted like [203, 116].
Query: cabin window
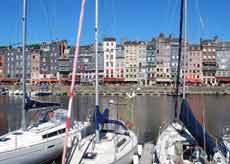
[17, 133]
[89, 155]
[61, 131]
[121, 142]
[52, 134]
[4, 139]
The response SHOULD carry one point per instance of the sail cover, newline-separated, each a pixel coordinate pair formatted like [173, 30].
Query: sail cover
[33, 104]
[195, 128]
[223, 148]
[101, 118]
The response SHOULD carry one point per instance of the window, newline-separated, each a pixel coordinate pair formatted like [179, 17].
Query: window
[61, 131]
[52, 134]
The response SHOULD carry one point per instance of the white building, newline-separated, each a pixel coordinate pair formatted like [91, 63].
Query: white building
[109, 49]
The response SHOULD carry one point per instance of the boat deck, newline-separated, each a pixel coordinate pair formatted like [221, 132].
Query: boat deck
[110, 148]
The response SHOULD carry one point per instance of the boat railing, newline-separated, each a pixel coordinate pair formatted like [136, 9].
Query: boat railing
[123, 146]
[164, 125]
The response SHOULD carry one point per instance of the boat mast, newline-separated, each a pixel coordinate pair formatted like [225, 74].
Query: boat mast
[185, 48]
[24, 57]
[72, 92]
[179, 58]
[96, 55]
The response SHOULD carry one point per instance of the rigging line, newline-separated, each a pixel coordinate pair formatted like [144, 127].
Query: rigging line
[171, 14]
[201, 20]
[113, 19]
[46, 14]
[54, 23]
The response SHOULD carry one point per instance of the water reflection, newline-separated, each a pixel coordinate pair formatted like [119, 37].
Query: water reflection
[145, 114]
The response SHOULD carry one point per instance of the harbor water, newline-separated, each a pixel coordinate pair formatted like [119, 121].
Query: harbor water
[145, 114]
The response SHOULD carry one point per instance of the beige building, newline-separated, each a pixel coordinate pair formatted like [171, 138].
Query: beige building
[132, 63]
[35, 65]
[194, 64]
[163, 59]
[209, 64]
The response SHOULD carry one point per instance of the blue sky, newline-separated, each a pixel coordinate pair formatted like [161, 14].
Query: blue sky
[124, 19]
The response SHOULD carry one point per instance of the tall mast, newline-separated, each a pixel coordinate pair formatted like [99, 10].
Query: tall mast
[96, 55]
[24, 57]
[185, 47]
[179, 57]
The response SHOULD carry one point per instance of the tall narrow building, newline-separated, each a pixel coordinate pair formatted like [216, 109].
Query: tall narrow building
[131, 61]
[194, 61]
[209, 65]
[163, 58]
[109, 49]
[223, 63]
[151, 62]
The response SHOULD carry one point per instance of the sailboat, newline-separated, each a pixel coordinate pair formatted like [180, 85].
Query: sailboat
[42, 140]
[112, 142]
[184, 140]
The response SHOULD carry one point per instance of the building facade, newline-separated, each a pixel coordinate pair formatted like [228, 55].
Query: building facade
[13, 66]
[131, 61]
[174, 50]
[194, 62]
[2, 62]
[163, 58]
[109, 49]
[120, 65]
[151, 62]
[35, 65]
[209, 65]
[87, 64]
[223, 62]
[50, 53]
[142, 63]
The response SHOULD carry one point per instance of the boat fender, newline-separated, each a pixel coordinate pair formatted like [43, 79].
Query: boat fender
[139, 149]
[228, 155]
[69, 144]
[135, 159]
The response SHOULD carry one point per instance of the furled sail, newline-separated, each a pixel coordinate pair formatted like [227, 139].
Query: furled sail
[195, 128]
[33, 104]
[101, 118]
[222, 147]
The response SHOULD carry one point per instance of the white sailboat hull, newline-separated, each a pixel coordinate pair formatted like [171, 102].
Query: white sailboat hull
[35, 146]
[38, 153]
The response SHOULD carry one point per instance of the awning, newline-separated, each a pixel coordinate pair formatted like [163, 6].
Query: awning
[163, 80]
[193, 80]
[113, 79]
[223, 79]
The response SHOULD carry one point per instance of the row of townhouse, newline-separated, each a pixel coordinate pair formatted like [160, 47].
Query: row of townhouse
[140, 62]
[41, 61]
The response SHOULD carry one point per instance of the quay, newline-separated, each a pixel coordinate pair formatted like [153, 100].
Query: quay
[130, 90]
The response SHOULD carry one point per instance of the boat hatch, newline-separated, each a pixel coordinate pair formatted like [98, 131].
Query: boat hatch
[89, 155]
[4, 139]
[121, 142]
[17, 133]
